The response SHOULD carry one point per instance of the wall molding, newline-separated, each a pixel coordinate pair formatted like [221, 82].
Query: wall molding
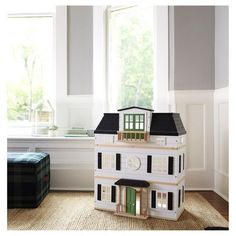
[221, 135]
[196, 110]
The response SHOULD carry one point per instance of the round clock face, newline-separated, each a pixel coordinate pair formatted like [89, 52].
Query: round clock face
[134, 163]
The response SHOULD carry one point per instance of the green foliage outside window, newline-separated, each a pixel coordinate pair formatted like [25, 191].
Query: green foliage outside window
[134, 48]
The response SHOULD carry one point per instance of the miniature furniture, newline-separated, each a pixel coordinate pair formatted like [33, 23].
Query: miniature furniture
[140, 161]
[28, 179]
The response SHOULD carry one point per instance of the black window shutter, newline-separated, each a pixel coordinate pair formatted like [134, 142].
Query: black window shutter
[99, 189]
[182, 193]
[149, 164]
[113, 193]
[179, 198]
[153, 199]
[183, 161]
[170, 201]
[171, 166]
[117, 161]
[99, 160]
[179, 163]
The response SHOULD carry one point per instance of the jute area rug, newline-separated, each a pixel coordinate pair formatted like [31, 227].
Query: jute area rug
[75, 211]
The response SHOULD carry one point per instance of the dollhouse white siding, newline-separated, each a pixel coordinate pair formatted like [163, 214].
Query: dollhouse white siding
[141, 172]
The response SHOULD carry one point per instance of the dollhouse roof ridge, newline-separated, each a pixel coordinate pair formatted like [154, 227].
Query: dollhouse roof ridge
[141, 108]
[166, 124]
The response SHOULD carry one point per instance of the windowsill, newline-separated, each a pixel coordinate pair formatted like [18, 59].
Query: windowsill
[30, 137]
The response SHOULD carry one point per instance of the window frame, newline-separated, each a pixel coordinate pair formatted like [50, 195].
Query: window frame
[24, 127]
[133, 122]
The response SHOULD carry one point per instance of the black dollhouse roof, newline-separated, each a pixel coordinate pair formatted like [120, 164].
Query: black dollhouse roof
[133, 183]
[168, 124]
[109, 124]
[141, 108]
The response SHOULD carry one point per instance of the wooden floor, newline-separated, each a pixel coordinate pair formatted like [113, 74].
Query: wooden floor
[217, 202]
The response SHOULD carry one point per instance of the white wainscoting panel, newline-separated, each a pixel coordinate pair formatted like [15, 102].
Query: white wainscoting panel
[71, 159]
[221, 139]
[196, 110]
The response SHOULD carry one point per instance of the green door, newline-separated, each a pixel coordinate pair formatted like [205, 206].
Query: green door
[131, 200]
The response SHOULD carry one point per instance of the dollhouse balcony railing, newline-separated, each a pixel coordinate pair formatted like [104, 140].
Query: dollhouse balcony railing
[133, 136]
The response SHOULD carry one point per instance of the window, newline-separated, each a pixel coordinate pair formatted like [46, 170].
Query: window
[108, 161]
[134, 122]
[30, 83]
[130, 58]
[160, 165]
[162, 200]
[106, 193]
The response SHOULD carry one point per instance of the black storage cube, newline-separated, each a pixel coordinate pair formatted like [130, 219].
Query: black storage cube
[28, 179]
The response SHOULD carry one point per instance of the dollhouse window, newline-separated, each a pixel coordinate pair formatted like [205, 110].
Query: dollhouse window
[160, 165]
[162, 200]
[134, 122]
[106, 193]
[108, 161]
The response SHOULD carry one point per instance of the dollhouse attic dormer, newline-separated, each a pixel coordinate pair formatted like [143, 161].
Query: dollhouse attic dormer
[134, 124]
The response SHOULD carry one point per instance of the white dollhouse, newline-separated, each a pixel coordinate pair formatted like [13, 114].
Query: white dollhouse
[140, 164]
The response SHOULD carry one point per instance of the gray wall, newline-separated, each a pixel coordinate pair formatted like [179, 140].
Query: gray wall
[80, 50]
[221, 46]
[193, 48]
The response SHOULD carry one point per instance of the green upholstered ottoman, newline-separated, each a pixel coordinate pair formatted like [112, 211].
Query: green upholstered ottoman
[28, 179]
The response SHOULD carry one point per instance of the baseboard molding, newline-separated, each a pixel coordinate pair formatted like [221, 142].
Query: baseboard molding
[71, 189]
[199, 189]
[221, 195]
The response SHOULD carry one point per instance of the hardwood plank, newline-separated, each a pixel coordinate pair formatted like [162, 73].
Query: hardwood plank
[217, 202]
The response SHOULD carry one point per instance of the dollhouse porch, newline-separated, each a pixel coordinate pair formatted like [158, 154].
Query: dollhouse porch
[133, 198]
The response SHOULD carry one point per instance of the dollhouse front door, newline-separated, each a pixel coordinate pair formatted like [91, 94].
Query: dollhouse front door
[131, 201]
